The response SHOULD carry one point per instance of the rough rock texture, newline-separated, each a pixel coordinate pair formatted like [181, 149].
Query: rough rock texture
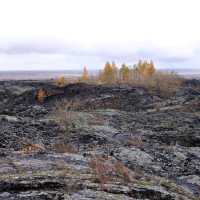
[114, 142]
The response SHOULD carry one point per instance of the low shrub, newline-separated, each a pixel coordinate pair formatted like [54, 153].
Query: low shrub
[61, 81]
[32, 148]
[123, 172]
[167, 84]
[101, 170]
[41, 95]
[65, 115]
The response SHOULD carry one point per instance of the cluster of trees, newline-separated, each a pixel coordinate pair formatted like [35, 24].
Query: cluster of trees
[111, 73]
[143, 73]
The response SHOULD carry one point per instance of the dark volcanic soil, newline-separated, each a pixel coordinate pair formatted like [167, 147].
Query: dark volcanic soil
[121, 142]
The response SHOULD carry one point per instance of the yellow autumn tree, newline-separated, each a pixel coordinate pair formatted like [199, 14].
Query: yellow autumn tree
[124, 73]
[145, 68]
[108, 74]
[150, 69]
[115, 71]
[141, 67]
[135, 73]
[85, 75]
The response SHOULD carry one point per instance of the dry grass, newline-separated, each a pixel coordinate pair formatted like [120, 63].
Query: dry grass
[64, 148]
[69, 105]
[65, 114]
[163, 83]
[101, 170]
[135, 141]
[66, 119]
[105, 171]
[167, 84]
[123, 172]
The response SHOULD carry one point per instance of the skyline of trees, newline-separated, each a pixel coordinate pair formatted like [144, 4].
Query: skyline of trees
[111, 73]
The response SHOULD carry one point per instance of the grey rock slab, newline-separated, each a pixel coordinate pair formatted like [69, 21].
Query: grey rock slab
[98, 195]
[19, 90]
[9, 118]
[32, 195]
[134, 156]
[191, 182]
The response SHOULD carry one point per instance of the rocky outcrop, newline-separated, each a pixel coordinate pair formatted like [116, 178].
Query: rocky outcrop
[123, 142]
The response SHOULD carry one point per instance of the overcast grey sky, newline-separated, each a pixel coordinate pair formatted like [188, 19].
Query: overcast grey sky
[68, 34]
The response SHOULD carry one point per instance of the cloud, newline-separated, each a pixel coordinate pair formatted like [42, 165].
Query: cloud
[37, 47]
[43, 54]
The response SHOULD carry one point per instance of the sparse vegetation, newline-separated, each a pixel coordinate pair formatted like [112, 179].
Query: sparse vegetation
[105, 171]
[41, 95]
[165, 83]
[101, 170]
[65, 114]
[64, 148]
[123, 172]
[85, 75]
[61, 81]
[32, 148]
[112, 137]
[135, 141]
[65, 117]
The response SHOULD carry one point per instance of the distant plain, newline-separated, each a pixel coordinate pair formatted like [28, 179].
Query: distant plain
[40, 75]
